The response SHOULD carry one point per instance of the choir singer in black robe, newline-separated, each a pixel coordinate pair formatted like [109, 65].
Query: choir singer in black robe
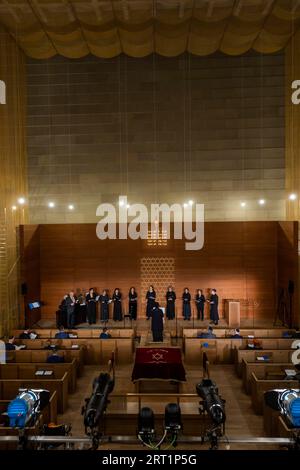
[150, 296]
[104, 302]
[117, 300]
[186, 304]
[200, 301]
[91, 301]
[157, 323]
[171, 297]
[132, 296]
[214, 301]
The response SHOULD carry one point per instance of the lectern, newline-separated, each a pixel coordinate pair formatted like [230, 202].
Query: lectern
[232, 313]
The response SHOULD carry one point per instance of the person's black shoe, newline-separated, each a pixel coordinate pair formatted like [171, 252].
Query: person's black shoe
[216, 323]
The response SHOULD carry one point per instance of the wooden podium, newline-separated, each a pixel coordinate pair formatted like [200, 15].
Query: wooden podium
[232, 313]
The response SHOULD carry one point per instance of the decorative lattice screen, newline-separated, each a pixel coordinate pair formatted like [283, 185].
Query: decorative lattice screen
[160, 272]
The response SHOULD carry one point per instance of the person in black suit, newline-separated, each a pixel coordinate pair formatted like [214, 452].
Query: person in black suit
[117, 300]
[132, 296]
[171, 297]
[214, 301]
[70, 306]
[150, 296]
[200, 301]
[157, 323]
[91, 301]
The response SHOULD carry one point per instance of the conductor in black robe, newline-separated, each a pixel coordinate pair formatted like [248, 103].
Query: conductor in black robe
[117, 300]
[157, 323]
[91, 301]
[150, 296]
[214, 301]
[132, 296]
[200, 301]
[104, 303]
[170, 297]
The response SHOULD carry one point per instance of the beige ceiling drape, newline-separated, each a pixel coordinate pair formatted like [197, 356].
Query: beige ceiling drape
[105, 28]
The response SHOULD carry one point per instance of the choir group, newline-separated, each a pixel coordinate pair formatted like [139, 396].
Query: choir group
[70, 301]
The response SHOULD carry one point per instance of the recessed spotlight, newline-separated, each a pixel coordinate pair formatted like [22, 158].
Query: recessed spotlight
[292, 197]
[127, 206]
[191, 202]
[51, 204]
[185, 204]
[70, 207]
[21, 200]
[14, 208]
[121, 203]
[261, 202]
[243, 204]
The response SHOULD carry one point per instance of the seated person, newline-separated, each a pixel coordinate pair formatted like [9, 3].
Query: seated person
[55, 358]
[62, 334]
[253, 344]
[11, 346]
[104, 334]
[209, 334]
[27, 334]
[236, 334]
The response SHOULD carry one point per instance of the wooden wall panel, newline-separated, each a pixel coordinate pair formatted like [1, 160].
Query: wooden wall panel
[238, 259]
[30, 272]
[287, 263]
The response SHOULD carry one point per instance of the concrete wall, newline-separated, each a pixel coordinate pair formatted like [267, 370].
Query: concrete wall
[158, 130]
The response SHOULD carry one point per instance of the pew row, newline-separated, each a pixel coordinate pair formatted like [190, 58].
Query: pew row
[40, 356]
[24, 371]
[259, 385]
[225, 348]
[10, 387]
[49, 333]
[272, 355]
[227, 332]
[261, 369]
[95, 351]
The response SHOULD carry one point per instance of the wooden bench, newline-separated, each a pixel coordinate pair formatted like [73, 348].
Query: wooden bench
[261, 369]
[40, 356]
[49, 333]
[95, 351]
[10, 387]
[261, 385]
[274, 355]
[226, 348]
[227, 332]
[28, 370]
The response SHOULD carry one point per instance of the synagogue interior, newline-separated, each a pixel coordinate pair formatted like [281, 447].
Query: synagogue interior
[149, 225]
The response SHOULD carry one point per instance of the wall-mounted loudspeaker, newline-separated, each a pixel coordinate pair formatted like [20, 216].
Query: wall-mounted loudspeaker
[24, 288]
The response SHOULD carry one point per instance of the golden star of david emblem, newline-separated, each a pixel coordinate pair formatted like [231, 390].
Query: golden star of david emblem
[157, 356]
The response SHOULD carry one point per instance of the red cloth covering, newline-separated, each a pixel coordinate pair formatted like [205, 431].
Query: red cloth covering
[158, 363]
